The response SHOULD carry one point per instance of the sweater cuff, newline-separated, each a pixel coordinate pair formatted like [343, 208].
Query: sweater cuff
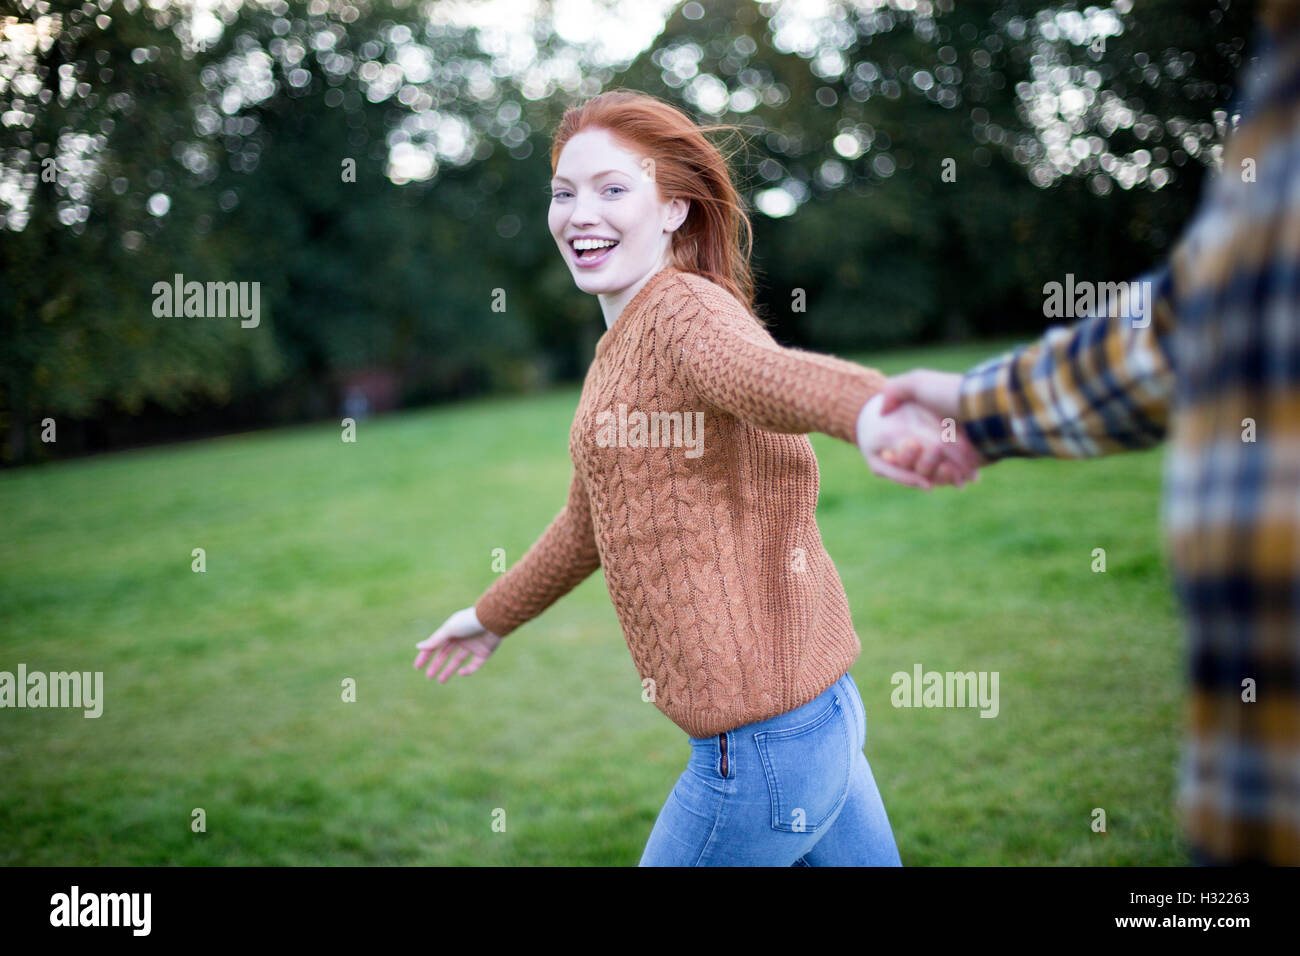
[847, 404]
[493, 617]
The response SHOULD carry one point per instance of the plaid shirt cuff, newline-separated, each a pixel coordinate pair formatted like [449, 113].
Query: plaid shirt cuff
[984, 408]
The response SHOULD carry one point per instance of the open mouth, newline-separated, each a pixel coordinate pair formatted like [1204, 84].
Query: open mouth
[593, 250]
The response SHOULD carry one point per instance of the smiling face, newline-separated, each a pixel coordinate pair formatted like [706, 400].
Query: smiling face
[606, 215]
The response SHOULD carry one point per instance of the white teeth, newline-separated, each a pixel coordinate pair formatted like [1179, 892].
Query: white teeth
[583, 244]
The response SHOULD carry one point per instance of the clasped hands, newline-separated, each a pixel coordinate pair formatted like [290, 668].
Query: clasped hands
[904, 437]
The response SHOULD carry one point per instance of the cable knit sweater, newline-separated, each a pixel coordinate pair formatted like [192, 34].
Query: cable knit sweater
[703, 523]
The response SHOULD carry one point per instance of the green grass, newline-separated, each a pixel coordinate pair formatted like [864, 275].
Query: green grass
[328, 561]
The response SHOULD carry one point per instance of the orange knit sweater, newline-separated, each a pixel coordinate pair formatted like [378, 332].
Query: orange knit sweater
[703, 521]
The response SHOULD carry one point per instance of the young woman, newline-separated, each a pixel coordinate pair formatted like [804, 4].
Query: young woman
[694, 487]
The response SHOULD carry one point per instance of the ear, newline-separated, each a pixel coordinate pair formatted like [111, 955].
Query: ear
[678, 209]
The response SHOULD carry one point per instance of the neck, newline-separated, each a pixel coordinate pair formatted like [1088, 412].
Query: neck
[613, 304]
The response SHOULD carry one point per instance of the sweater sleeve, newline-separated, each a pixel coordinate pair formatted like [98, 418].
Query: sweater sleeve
[732, 363]
[559, 560]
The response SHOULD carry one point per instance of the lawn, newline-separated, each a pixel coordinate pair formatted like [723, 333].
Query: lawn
[327, 561]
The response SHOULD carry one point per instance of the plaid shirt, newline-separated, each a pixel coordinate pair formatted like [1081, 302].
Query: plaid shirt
[1206, 350]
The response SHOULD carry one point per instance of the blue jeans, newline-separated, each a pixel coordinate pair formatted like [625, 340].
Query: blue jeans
[792, 790]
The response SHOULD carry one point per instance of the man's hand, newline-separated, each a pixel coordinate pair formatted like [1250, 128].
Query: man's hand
[910, 439]
[939, 393]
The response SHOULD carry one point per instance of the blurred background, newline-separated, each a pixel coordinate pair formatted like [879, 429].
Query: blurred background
[209, 138]
[381, 168]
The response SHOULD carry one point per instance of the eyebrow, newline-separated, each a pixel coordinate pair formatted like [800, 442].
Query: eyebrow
[603, 172]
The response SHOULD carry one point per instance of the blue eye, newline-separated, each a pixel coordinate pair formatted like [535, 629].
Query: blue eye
[557, 193]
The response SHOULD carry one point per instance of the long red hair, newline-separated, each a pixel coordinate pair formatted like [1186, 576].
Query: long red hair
[717, 237]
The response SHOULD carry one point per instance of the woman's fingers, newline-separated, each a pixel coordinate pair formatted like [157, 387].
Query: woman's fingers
[459, 655]
[928, 461]
[924, 456]
[894, 473]
[907, 455]
[941, 463]
[478, 661]
[913, 453]
[447, 657]
[461, 636]
[438, 658]
[902, 400]
[925, 460]
[906, 452]
[429, 646]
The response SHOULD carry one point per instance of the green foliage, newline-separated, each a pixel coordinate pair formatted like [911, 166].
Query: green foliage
[221, 156]
[82, 254]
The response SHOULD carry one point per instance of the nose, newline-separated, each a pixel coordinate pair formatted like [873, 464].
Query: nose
[582, 212]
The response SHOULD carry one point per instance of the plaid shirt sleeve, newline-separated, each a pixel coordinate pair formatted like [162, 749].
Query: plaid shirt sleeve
[1101, 385]
[1231, 504]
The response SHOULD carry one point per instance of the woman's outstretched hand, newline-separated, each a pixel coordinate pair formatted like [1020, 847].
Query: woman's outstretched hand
[907, 446]
[460, 636]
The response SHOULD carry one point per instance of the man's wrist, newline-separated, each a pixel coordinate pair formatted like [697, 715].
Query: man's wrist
[979, 416]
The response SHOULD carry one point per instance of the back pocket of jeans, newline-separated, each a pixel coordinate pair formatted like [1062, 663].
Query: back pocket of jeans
[807, 769]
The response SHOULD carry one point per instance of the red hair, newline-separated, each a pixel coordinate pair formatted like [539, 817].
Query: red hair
[716, 238]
